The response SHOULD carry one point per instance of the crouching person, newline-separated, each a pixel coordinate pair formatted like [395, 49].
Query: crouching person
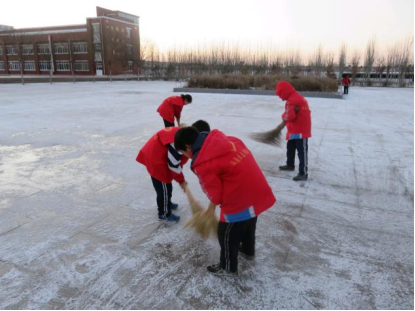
[231, 178]
[164, 163]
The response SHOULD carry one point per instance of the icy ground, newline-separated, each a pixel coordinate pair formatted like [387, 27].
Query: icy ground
[78, 226]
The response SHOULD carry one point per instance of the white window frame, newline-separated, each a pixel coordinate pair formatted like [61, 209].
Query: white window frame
[80, 47]
[60, 65]
[42, 48]
[45, 65]
[27, 49]
[61, 48]
[14, 66]
[29, 66]
[128, 30]
[13, 48]
[81, 65]
[2, 65]
[130, 66]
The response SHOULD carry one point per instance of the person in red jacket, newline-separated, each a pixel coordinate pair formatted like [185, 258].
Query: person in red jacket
[164, 164]
[172, 108]
[297, 118]
[346, 82]
[231, 178]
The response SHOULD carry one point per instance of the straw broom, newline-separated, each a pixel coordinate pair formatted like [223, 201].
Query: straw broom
[272, 137]
[201, 222]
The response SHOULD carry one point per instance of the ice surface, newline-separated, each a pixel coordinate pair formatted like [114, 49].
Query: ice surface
[78, 225]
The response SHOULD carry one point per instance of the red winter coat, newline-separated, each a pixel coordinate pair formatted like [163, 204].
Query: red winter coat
[346, 81]
[171, 107]
[153, 156]
[298, 123]
[231, 178]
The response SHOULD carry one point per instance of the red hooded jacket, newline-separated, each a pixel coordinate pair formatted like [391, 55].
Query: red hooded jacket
[171, 107]
[346, 81]
[298, 123]
[153, 156]
[230, 177]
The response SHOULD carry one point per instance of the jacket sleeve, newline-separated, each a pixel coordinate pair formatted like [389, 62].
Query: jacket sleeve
[174, 161]
[177, 111]
[211, 183]
[289, 114]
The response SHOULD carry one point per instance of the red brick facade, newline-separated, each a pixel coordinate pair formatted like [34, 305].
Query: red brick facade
[107, 43]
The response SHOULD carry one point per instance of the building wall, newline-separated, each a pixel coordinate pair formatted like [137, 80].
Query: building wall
[112, 29]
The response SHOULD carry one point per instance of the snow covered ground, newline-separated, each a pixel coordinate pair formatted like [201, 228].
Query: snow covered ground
[78, 225]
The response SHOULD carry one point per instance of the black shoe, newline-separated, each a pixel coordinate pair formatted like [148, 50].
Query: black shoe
[218, 271]
[287, 168]
[300, 177]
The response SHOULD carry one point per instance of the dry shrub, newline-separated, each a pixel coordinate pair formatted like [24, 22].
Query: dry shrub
[263, 82]
[202, 223]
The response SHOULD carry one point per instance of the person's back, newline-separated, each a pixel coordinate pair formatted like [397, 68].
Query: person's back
[238, 185]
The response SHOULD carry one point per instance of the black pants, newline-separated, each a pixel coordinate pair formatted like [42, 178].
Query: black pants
[164, 192]
[167, 123]
[301, 145]
[231, 235]
[346, 90]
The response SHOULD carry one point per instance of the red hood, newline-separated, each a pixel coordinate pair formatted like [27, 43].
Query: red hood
[284, 90]
[216, 145]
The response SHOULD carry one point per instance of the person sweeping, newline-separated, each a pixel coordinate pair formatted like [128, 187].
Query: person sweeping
[231, 178]
[164, 164]
[297, 119]
[172, 107]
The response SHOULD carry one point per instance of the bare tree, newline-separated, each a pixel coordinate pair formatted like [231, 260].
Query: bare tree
[355, 65]
[14, 42]
[370, 58]
[342, 60]
[405, 54]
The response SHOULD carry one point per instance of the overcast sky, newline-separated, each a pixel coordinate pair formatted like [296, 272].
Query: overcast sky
[288, 24]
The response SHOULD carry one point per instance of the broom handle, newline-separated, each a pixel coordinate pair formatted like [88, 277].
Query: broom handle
[189, 194]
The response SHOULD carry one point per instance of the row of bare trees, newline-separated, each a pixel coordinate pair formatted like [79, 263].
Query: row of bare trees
[374, 64]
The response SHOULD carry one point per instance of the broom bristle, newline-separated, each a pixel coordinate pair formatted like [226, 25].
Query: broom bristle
[272, 137]
[203, 223]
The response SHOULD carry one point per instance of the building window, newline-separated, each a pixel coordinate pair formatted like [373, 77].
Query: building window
[81, 66]
[27, 49]
[1, 65]
[80, 48]
[29, 66]
[13, 66]
[130, 66]
[97, 32]
[44, 66]
[1, 50]
[61, 48]
[11, 50]
[62, 65]
[128, 33]
[129, 49]
[43, 49]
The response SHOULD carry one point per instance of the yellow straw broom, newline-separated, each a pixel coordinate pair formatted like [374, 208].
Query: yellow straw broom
[201, 222]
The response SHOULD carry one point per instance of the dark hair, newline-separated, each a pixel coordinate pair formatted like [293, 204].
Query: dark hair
[185, 136]
[187, 98]
[201, 126]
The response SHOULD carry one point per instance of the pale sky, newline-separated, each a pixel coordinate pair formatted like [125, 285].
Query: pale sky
[287, 24]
